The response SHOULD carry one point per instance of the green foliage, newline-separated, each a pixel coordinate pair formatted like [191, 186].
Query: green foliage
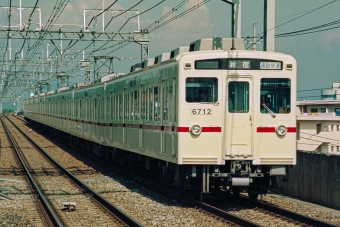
[7, 111]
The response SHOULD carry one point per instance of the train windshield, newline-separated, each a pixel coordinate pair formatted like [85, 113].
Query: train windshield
[202, 90]
[275, 95]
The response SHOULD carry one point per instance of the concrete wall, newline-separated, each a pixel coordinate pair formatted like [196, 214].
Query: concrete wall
[315, 178]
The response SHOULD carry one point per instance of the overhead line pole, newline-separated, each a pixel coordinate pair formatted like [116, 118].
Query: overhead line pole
[235, 17]
[269, 26]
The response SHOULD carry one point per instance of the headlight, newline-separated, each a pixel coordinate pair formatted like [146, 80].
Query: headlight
[281, 130]
[196, 130]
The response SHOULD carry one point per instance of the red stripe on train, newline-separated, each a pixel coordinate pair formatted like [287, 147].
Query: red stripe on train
[204, 129]
[272, 129]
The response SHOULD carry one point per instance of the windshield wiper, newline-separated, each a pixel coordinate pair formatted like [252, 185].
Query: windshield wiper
[269, 110]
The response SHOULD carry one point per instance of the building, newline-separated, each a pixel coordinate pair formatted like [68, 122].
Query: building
[332, 93]
[318, 123]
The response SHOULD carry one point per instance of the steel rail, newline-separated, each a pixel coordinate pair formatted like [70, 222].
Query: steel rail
[216, 211]
[292, 215]
[109, 206]
[54, 218]
[170, 193]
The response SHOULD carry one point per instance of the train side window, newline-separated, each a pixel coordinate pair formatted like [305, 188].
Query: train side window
[80, 112]
[112, 109]
[87, 108]
[156, 104]
[143, 103]
[102, 108]
[238, 97]
[202, 90]
[150, 104]
[120, 109]
[275, 95]
[165, 101]
[76, 108]
[136, 105]
[130, 103]
[126, 105]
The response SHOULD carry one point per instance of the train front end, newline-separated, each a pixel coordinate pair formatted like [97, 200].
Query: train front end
[236, 116]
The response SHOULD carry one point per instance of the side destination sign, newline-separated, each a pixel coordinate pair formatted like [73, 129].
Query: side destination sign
[270, 65]
[238, 64]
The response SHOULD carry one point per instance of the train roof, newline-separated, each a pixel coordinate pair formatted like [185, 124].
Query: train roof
[205, 44]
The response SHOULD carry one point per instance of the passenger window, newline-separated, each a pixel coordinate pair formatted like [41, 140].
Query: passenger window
[201, 90]
[238, 97]
[157, 104]
[165, 102]
[120, 109]
[144, 103]
[136, 105]
[150, 104]
[275, 95]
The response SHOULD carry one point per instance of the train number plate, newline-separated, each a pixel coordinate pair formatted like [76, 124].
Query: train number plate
[201, 111]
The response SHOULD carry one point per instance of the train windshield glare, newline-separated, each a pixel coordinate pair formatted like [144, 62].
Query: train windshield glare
[202, 90]
[275, 95]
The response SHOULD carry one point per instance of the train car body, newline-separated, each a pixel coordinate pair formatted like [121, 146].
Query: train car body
[212, 117]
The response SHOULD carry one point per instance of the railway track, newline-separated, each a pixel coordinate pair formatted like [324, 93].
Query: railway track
[235, 214]
[16, 190]
[64, 199]
[153, 209]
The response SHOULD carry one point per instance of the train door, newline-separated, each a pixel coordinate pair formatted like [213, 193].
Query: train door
[239, 117]
[125, 113]
[173, 114]
[164, 116]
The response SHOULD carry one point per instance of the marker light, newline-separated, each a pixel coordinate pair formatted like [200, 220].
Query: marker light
[196, 130]
[281, 130]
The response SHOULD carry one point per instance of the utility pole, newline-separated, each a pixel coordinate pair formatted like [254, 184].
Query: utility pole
[235, 17]
[269, 26]
[254, 42]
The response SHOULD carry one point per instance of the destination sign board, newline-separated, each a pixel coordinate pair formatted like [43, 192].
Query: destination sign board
[238, 64]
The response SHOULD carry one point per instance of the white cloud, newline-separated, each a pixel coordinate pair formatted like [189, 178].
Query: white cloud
[69, 7]
[330, 39]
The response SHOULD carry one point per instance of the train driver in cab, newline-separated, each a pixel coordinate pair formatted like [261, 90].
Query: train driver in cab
[204, 96]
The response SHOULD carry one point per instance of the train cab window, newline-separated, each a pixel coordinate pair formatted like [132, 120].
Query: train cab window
[275, 95]
[201, 90]
[238, 97]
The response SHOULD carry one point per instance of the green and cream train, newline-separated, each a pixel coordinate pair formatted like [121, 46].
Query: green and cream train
[210, 115]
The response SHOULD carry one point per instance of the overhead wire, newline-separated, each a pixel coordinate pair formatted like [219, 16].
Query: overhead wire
[101, 13]
[100, 48]
[53, 17]
[308, 12]
[5, 81]
[126, 43]
[154, 27]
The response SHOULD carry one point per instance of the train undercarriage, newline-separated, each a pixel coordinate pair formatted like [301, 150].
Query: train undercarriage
[234, 177]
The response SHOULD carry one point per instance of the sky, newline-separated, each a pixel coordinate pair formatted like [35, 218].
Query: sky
[317, 53]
